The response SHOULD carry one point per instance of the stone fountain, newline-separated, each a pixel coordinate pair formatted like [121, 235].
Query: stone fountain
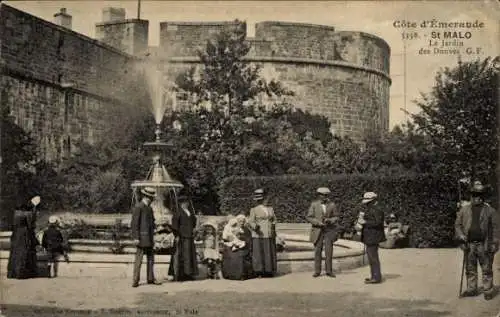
[167, 188]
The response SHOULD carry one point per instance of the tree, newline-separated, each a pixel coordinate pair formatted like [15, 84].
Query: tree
[237, 134]
[226, 80]
[17, 156]
[459, 116]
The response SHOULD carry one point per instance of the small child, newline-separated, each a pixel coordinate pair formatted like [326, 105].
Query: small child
[359, 223]
[211, 255]
[233, 232]
[394, 227]
[53, 243]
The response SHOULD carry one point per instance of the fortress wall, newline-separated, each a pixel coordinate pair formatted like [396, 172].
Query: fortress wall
[37, 60]
[46, 51]
[356, 102]
[341, 75]
[318, 42]
[57, 119]
[296, 39]
[186, 38]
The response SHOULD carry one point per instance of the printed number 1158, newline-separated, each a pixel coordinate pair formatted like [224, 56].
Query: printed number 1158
[409, 35]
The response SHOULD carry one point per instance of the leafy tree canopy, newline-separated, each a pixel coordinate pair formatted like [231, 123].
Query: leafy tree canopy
[459, 116]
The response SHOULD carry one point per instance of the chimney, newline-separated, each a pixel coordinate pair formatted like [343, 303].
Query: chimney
[112, 14]
[63, 19]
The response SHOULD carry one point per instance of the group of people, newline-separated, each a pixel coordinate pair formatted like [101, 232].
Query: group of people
[324, 216]
[476, 228]
[23, 262]
[250, 242]
[249, 248]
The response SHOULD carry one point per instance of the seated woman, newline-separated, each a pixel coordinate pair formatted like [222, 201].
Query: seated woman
[395, 233]
[236, 258]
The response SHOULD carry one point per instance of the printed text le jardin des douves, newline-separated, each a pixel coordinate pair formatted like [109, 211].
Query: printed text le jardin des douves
[441, 37]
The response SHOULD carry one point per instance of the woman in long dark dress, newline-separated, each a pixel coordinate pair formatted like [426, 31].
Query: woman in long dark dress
[262, 222]
[23, 242]
[183, 264]
[237, 260]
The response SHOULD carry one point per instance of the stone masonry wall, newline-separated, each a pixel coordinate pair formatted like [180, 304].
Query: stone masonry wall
[43, 50]
[317, 42]
[129, 36]
[342, 75]
[351, 99]
[58, 119]
[185, 38]
[37, 58]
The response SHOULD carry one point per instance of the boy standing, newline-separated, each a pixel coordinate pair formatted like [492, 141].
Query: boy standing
[53, 243]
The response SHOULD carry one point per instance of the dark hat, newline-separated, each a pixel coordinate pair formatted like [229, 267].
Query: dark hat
[478, 188]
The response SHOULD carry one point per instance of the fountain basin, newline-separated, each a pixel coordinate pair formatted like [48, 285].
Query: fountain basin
[93, 258]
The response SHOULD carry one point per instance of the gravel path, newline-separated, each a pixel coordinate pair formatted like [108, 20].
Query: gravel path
[419, 282]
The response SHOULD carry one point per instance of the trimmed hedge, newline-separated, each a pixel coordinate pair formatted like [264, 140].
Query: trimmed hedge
[425, 202]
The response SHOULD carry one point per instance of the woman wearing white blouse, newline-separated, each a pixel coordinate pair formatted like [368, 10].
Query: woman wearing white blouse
[262, 222]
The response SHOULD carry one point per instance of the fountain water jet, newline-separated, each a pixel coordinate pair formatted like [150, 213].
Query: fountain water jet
[155, 83]
[158, 177]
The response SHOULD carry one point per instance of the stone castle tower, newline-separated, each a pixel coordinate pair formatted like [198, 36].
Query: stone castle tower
[342, 75]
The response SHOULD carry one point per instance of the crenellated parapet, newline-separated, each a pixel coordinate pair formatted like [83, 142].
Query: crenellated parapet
[184, 39]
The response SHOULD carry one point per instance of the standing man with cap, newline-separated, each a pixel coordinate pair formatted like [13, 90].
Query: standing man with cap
[142, 226]
[372, 234]
[475, 227]
[324, 217]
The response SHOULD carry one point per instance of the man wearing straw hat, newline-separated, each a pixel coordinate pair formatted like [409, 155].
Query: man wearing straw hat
[142, 226]
[324, 216]
[476, 227]
[372, 234]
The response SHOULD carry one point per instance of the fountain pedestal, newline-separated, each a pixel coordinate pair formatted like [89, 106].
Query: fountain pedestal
[167, 188]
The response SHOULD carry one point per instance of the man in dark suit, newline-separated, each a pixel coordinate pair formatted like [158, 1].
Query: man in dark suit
[142, 226]
[372, 234]
[324, 217]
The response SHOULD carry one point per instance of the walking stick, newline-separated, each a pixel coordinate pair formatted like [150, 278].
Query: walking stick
[364, 253]
[462, 278]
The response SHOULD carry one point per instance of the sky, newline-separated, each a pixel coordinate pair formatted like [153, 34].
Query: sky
[375, 17]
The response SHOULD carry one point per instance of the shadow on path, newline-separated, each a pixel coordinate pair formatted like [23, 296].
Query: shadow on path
[194, 303]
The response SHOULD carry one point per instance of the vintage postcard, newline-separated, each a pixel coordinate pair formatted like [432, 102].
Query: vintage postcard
[249, 158]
